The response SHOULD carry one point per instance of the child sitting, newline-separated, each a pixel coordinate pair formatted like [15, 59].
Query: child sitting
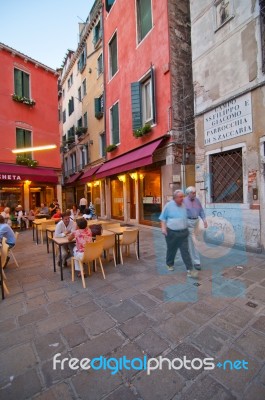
[82, 235]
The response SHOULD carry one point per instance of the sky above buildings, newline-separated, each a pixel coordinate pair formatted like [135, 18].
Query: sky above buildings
[43, 30]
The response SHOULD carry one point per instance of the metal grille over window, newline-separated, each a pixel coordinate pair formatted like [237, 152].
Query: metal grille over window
[227, 177]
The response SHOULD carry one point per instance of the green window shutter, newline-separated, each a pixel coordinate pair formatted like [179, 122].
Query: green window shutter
[98, 107]
[114, 55]
[115, 124]
[20, 138]
[145, 16]
[153, 93]
[26, 85]
[136, 105]
[18, 82]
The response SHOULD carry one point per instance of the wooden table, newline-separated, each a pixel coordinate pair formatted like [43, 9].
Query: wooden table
[60, 242]
[35, 224]
[118, 232]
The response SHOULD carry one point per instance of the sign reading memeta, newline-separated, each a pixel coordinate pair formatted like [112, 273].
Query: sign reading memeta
[228, 121]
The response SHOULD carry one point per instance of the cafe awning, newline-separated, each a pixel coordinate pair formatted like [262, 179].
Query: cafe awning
[134, 159]
[14, 172]
[89, 174]
[74, 178]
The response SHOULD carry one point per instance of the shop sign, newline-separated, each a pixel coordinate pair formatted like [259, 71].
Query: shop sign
[229, 120]
[9, 177]
[151, 200]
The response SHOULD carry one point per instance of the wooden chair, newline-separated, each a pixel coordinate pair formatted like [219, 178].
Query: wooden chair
[11, 251]
[108, 243]
[42, 227]
[129, 237]
[93, 251]
[4, 253]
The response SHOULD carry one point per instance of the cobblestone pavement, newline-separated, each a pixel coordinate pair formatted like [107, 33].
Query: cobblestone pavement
[140, 310]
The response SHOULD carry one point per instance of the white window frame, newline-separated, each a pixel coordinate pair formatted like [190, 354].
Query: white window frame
[109, 54]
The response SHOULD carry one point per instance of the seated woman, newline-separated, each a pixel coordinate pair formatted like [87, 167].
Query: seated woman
[21, 217]
[75, 212]
[6, 215]
[57, 214]
[31, 215]
[82, 235]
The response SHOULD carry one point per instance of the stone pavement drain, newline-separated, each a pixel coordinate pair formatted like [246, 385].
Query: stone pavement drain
[140, 310]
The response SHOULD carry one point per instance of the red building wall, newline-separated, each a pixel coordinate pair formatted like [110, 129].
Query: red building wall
[41, 119]
[134, 60]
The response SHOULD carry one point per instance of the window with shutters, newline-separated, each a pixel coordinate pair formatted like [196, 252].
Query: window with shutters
[226, 172]
[115, 124]
[113, 56]
[23, 139]
[71, 106]
[144, 18]
[102, 144]
[70, 81]
[22, 84]
[82, 61]
[97, 34]
[85, 120]
[64, 116]
[100, 64]
[99, 107]
[143, 101]
[84, 87]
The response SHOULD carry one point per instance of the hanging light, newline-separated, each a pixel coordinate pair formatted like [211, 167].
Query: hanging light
[134, 175]
[122, 178]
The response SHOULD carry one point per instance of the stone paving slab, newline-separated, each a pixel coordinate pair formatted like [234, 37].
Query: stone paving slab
[140, 310]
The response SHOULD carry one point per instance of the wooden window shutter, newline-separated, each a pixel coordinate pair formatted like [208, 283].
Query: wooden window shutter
[136, 105]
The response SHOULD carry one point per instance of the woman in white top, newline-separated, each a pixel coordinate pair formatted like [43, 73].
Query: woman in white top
[75, 212]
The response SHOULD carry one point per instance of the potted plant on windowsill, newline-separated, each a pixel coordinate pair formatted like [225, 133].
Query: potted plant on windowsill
[142, 131]
[23, 160]
[80, 130]
[111, 147]
[23, 99]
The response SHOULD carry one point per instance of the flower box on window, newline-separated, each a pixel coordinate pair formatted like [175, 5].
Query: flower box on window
[24, 100]
[111, 147]
[81, 130]
[142, 131]
[23, 160]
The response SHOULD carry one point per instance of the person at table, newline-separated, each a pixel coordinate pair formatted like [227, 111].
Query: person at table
[21, 216]
[6, 232]
[58, 214]
[43, 209]
[53, 206]
[6, 215]
[63, 229]
[82, 234]
[32, 214]
[75, 212]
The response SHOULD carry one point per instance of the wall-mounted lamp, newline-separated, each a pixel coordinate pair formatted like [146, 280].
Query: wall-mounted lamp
[96, 183]
[27, 182]
[141, 176]
[122, 178]
[90, 70]
[134, 175]
[89, 184]
[36, 148]
[90, 142]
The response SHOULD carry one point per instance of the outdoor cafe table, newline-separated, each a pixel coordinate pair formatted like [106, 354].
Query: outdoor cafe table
[118, 232]
[60, 242]
[35, 224]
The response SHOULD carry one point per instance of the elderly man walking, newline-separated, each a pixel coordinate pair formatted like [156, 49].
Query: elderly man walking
[194, 211]
[174, 225]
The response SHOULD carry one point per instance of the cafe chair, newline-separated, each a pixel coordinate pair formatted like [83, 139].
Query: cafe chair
[4, 253]
[93, 251]
[129, 237]
[42, 227]
[11, 251]
[108, 244]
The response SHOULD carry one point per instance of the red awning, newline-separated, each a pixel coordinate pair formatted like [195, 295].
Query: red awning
[73, 178]
[13, 172]
[88, 175]
[134, 159]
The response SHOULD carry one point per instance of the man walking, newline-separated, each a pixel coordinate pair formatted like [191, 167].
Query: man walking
[174, 225]
[194, 211]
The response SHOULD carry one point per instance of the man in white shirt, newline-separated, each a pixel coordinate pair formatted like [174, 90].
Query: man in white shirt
[83, 204]
[63, 229]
